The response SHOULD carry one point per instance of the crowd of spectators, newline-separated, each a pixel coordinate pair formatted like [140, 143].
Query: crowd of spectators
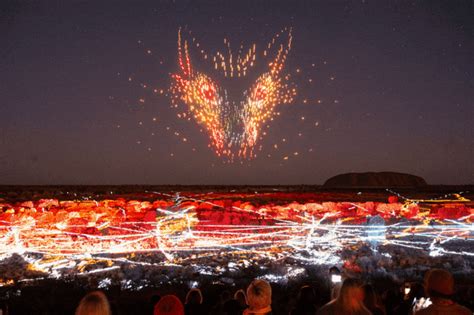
[352, 297]
[346, 295]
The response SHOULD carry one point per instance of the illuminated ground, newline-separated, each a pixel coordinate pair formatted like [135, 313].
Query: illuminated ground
[138, 238]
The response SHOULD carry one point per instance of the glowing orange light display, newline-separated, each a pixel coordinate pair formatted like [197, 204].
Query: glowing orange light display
[234, 128]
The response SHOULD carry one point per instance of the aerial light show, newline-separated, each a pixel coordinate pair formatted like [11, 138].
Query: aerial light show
[250, 157]
[234, 129]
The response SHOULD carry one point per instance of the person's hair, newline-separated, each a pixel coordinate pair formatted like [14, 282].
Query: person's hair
[94, 303]
[194, 296]
[259, 294]
[240, 297]
[169, 304]
[351, 296]
[439, 283]
[370, 299]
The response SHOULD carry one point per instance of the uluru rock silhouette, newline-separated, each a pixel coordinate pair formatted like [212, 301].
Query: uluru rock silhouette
[375, 179]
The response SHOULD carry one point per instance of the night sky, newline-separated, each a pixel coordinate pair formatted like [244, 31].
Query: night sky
[381, 86]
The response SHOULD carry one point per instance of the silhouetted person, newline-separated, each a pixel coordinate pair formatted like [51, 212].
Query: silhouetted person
[240, 297]
[259, 298]
[413, 295]
[439, 286]
[169, 305]
[236, 305]
[193, 304]
[348, 302]
[305, 304]
[370, 300]
[94, 303]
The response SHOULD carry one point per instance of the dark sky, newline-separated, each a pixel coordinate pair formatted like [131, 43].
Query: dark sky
[394, 80]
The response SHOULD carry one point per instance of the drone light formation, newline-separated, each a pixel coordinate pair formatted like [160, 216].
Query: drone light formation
[234, 128]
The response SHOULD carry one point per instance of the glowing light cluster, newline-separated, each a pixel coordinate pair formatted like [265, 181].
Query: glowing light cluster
[70, 235]
[234, 128]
